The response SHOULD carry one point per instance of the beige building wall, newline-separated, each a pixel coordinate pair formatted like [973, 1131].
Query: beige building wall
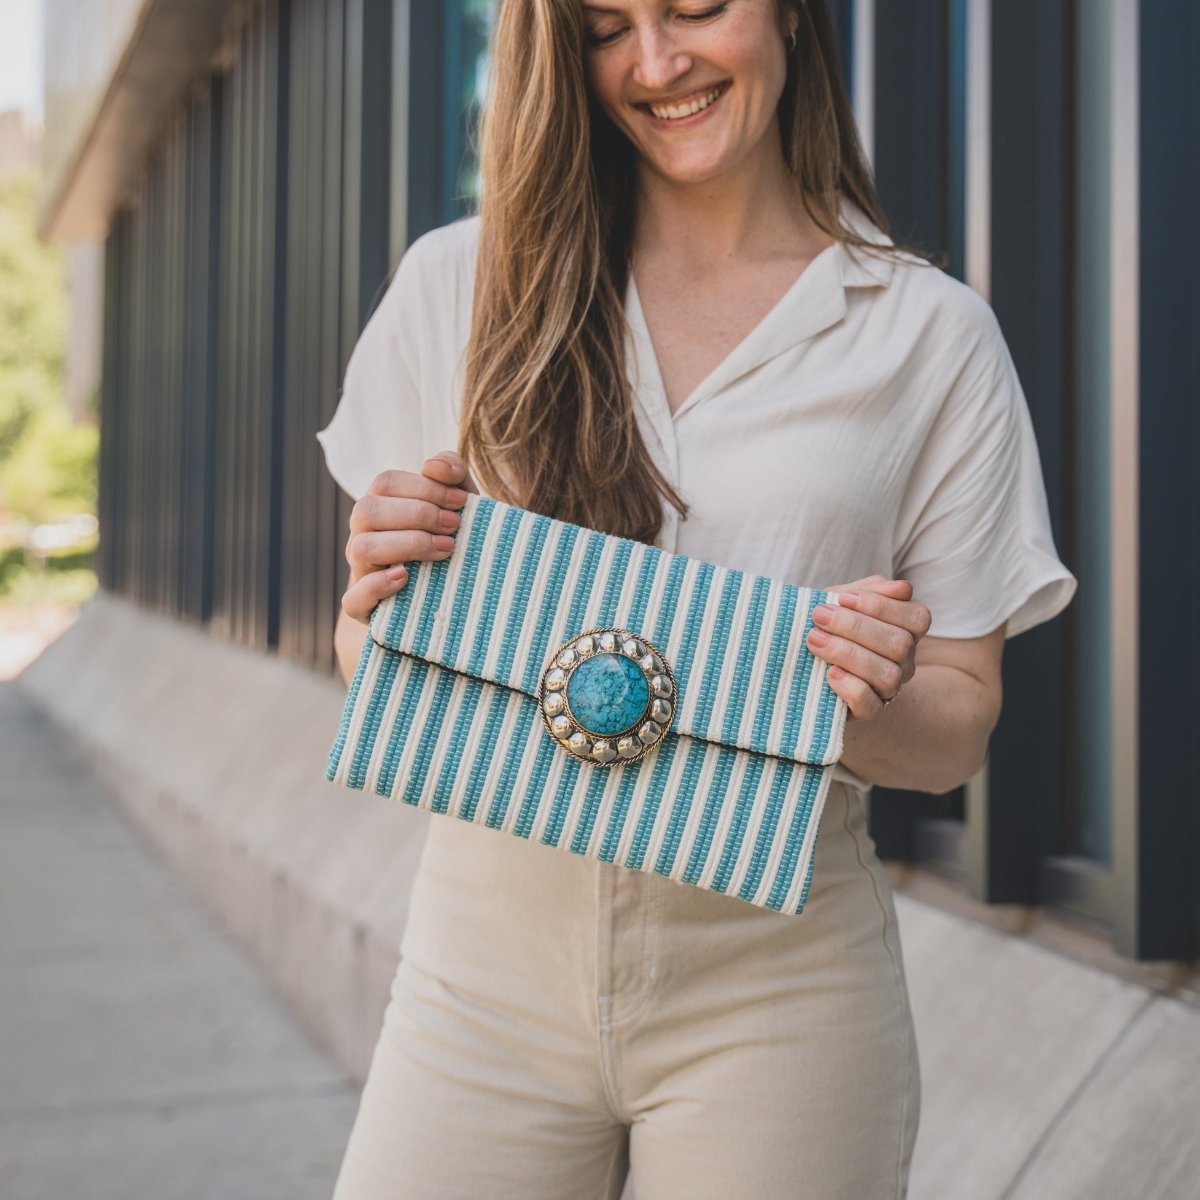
[20, 142]
[85, 339]
[85, 42]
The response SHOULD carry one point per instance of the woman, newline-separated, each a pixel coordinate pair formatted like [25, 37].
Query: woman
[679, 289]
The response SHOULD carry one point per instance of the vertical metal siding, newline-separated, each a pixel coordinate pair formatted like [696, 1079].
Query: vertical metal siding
[135, 403]
[251, 303]
[336, 241]
[198, 243]
[170, 392]
[314, 254]
[1158, 885]
[914, 158]
[111, 507]
[425, 201]
[237, 281]
[913, 118]
[1020, 820]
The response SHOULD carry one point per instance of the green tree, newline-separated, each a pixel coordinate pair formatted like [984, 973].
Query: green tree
[51, 471]
[33, 337]
[47, 463]
[33, 311]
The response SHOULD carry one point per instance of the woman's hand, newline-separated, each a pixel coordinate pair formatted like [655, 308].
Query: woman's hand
[869, 638]
[403, 517]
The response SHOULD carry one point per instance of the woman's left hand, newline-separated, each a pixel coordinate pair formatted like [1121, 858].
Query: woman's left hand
[870, 641]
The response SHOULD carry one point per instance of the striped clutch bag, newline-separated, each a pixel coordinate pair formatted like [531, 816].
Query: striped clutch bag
[605, 697]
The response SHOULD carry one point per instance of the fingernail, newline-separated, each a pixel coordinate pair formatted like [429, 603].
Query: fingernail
[817, 638]
[442, 541]
[822, 612]
[851, 596]
[456, 496]
[397, 573]
[448, 519]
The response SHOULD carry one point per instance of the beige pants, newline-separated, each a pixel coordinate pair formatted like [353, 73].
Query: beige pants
[556, 1023]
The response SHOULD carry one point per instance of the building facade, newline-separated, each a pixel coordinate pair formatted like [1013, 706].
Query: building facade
[255, 169]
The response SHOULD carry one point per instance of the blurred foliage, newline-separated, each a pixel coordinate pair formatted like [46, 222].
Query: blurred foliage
[14, 559]
[27, 588]
[51, 471]
[33, 313]
[47, 462]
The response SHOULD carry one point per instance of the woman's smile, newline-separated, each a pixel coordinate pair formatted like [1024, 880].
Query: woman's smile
[687, 111]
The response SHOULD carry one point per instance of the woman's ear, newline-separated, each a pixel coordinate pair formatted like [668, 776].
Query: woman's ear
[791, 20]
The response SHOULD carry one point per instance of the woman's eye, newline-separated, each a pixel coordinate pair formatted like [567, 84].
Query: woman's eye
[601, 39]
[704, 16]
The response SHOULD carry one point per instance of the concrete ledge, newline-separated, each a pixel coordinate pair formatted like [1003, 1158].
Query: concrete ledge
[218, 753]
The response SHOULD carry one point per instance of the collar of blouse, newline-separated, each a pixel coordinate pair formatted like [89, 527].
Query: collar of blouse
[815, 302]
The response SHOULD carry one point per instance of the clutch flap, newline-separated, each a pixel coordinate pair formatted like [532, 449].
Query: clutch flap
[521, 588]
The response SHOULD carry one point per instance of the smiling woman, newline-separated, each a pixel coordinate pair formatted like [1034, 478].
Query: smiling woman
[576, 164]
[634, 73]
[679, 317]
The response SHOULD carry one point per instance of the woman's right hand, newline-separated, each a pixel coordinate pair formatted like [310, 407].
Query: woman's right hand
[402, 518]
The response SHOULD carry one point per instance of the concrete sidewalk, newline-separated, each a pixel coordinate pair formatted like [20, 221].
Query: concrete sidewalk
[141, 1053]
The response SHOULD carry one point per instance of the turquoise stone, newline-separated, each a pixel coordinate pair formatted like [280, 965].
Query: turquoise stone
[607, 693]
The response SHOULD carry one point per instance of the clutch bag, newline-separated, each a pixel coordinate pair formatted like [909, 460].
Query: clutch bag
[605, 697]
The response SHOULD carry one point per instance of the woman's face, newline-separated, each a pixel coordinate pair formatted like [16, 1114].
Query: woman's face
[650, 62]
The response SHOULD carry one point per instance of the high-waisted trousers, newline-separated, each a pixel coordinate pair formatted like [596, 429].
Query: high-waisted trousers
[558, 1023]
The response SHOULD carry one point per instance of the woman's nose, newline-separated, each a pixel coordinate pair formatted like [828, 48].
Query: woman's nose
[660, 61]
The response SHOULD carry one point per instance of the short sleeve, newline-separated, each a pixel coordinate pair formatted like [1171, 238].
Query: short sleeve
[377, 424]
[974, 534]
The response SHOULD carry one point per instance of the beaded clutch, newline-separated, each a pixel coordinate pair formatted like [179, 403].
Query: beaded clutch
[605, 697]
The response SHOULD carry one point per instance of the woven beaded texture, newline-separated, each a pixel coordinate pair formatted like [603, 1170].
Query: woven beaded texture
[443, 711]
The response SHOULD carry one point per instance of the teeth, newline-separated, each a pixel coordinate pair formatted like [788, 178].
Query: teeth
[672, 112]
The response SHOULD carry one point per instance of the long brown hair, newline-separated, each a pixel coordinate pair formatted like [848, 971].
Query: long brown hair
[548, 421]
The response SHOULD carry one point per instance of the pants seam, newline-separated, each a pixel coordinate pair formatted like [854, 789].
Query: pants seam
[612, 1179]
[649, 985]
[605, 1039]
[901, 992]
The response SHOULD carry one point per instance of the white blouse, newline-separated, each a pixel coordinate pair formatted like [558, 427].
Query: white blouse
[872, 422]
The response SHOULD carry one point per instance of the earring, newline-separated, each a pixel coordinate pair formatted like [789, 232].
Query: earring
[792, 42]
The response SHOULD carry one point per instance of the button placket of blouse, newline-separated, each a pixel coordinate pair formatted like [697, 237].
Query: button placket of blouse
[655, 416]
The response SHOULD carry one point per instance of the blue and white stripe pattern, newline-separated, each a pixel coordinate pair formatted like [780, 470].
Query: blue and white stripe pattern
[442, 712]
